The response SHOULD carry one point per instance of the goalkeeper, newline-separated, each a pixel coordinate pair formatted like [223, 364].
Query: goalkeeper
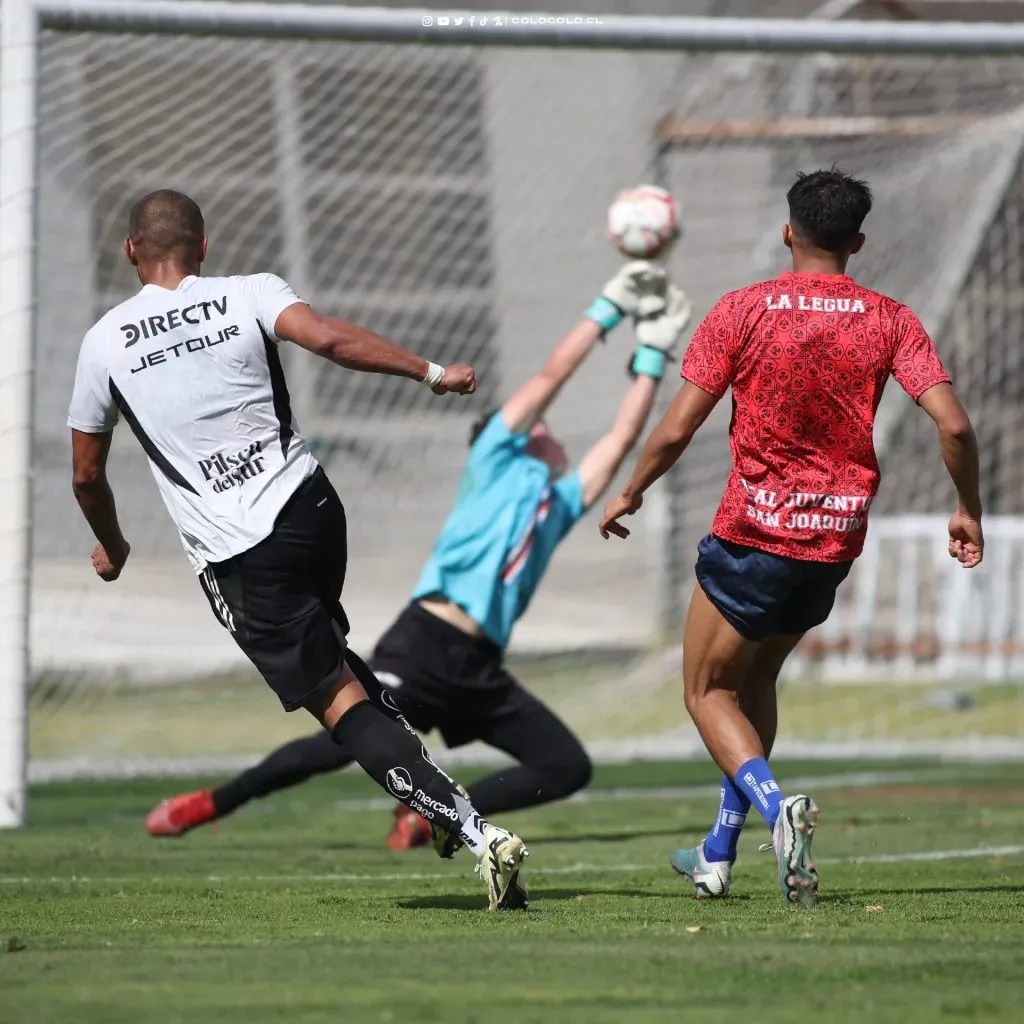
[443, 657]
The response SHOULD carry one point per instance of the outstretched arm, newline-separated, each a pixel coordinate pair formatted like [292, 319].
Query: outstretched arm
[669, 439]
[959, 449]
[599, 466]
[96, 500]
[357, 348]
[635, 283]
[529, 403]
[656, 339]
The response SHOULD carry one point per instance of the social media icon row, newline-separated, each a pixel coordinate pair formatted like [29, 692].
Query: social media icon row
[443, 20]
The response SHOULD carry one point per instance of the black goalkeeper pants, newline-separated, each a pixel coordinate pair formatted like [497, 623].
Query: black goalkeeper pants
[442, 679]
[552, 765]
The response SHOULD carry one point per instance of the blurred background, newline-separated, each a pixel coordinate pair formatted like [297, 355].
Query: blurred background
[453, 198]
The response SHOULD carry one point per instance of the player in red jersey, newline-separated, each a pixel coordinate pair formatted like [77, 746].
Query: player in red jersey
[807, 356]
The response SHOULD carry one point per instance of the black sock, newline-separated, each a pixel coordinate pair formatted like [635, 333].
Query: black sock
[393, 756]
[287, 766]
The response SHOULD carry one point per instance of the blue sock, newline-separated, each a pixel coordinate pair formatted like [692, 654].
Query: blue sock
[755, 779]
[724, 836]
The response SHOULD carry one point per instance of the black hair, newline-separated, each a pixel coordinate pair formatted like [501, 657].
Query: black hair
[165, 222]
[480, 423]
[827, 208]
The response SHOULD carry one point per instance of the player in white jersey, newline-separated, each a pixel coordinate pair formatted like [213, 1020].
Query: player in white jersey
[192, 366]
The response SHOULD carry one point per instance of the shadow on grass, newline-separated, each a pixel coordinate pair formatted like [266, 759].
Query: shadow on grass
[619, 836]
[855, 895]
[539, 896]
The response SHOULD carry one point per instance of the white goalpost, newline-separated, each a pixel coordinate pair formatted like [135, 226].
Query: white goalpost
[466, 158]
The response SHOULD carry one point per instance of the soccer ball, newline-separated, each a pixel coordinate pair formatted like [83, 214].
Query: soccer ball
[643, 221]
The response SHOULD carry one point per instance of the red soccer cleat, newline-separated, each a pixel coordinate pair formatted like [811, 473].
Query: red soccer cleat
[410, 830]
[181, 814]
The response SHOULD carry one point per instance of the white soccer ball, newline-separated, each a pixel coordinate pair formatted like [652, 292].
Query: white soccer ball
[643, 221]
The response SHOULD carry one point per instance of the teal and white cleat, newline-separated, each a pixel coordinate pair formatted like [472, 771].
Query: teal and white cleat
[794, 830]
[500, 866]
[711, 879]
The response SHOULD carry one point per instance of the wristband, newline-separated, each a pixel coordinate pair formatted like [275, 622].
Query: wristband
[434, 375]
[647, 361]
[604, 313]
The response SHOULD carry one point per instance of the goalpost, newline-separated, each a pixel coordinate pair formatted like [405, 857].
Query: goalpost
[467, 165]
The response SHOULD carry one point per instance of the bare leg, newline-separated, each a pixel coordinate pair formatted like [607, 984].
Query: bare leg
[758, 699]
[715, 663]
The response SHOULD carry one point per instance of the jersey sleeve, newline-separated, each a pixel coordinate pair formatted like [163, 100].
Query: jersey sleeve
[493, 450]
[92, 407]
[915, 365]
[569, 495]
[272, 296]
[710, 359]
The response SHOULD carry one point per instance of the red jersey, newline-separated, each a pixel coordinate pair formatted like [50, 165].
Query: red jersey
[807, 356]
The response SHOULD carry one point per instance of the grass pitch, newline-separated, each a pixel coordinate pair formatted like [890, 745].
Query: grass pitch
[294, 911]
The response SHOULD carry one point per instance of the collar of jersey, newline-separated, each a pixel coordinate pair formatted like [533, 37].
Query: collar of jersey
[171, 291]
[823, 277]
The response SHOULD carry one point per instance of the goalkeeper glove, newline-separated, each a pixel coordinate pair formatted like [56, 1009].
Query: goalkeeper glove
[622, 295]
[658, 324]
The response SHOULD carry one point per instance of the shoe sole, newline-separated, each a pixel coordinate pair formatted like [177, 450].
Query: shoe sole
[510, 855]
[799, 880]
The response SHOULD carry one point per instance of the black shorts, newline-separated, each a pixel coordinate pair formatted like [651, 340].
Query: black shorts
[443, 679]
[281, 599]
[760, 593]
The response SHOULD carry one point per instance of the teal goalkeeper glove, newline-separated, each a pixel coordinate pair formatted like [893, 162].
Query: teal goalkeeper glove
[623, 294]
[658, 324]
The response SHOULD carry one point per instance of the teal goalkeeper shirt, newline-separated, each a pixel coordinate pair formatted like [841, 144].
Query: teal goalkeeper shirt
[499, 538]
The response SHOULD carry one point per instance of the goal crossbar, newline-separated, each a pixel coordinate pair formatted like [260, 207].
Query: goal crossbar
[297, 21]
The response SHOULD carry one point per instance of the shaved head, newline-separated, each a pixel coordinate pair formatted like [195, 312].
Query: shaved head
[166, 225]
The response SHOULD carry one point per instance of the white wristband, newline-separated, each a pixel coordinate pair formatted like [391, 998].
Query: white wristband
[434, 375]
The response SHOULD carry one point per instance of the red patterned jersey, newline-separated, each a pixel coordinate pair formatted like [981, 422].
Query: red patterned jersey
[807, 357]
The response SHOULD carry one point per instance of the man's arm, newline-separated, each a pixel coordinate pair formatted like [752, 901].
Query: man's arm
[529, 403]
[636, 282]
[599, 466]
[96, 500]
[357, 348]
[656, 339]
[669, 439]
[919, 371]
[959, 449]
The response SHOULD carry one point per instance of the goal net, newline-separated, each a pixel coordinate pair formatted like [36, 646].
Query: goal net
[452, 198]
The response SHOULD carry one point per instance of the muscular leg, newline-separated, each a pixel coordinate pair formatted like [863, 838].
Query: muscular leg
[716, 664]
[758, 699]
[300, 759]
[390, 752]
[715, 661]
[553, 763]
[758, 703]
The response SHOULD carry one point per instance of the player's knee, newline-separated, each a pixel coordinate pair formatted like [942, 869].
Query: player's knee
[570, 776]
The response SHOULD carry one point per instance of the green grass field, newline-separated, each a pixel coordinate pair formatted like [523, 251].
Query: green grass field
[294, 911]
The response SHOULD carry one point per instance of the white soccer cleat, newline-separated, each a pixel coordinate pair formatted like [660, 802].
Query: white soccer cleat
[794, 830]
[500, 865]
[711, 879]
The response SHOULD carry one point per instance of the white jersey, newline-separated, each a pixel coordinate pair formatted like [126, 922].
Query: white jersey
[196, 374]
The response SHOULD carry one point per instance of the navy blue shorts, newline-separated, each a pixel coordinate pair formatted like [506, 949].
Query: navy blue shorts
[760, 593]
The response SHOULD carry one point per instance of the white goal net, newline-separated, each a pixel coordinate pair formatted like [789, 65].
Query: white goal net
[452, 197]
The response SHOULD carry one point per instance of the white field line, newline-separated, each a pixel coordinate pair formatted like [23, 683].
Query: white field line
[293, 802]
[568, 869]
